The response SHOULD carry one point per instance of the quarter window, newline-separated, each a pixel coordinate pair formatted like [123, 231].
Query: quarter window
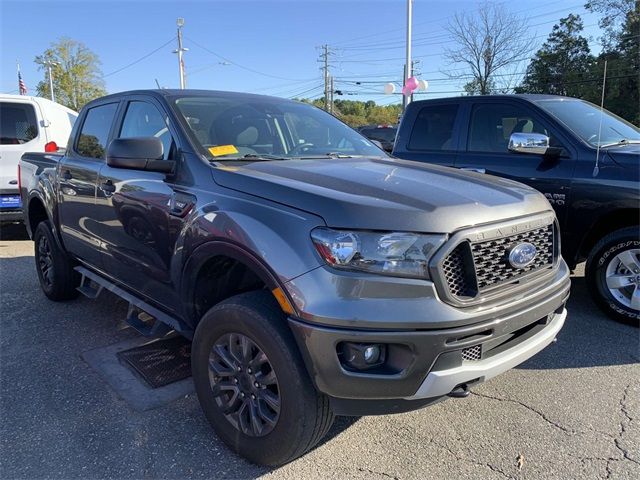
[92, 141]
[493, 124]
[18, 123]
[145, 120]
[433, 128]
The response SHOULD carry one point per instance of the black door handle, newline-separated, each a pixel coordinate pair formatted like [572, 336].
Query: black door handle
[108, 187]
[66, 175]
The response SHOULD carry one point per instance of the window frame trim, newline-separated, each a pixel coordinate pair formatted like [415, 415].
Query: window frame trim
[117, 103]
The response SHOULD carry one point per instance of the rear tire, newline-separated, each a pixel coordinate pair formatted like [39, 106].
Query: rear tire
[55, 270]
[613, 275]
[295, 417]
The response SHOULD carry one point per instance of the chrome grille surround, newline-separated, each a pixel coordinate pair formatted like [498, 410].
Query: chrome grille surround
[482, 274]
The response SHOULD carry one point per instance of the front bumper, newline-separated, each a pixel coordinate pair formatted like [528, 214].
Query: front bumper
[10, 216]
[427, 364]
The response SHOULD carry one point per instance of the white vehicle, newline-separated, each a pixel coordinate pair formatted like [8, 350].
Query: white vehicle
[27, 124]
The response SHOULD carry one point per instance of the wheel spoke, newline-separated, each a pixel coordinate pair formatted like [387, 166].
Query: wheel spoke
[243, 417]
[268, 379]
[629, 259]
[617, 282]
[258, 361]
[219, 369]
[270, 399]
[266, 415]
[245, 348]
[256, 424]
[635, 299]
[233, 349]
[225, 356]
[219, 388]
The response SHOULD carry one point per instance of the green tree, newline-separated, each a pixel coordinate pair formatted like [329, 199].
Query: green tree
[622, 92]
[613, 13]
[563, 65]
[77, 78]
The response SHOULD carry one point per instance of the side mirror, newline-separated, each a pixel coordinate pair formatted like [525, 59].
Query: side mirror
[535, 143]
[138, 153]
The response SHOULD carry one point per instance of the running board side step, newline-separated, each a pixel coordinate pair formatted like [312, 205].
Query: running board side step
[146, 319]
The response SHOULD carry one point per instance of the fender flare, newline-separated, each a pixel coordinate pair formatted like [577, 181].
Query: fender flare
[214, 248]
[36, 195]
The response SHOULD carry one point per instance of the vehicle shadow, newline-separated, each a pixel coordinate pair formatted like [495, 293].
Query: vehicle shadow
[13, 231]
[589, 338]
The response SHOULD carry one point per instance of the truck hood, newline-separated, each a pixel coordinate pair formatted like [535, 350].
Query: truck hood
[383, 194]
[625, 155]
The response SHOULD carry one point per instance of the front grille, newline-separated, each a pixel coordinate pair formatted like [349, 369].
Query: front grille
[473, 268]
[491, 258]
[472, 354]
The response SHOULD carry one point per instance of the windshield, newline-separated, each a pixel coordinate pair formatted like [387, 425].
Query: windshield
[583, 118]
[232, 127]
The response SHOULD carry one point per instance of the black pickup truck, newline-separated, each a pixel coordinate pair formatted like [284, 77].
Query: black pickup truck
[586, 162]
[314, 273]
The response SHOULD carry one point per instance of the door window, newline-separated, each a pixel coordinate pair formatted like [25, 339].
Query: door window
[492, 125]
[18, 123]
[145, 120]
[433, 128]
[92, 141]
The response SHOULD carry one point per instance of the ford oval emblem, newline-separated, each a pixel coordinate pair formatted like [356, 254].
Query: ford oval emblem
[522, 255]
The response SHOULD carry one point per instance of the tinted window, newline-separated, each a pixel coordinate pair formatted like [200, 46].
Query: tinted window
[583, 119]
[18, 123]
[381, 134]
[92, 141]
[145, 120]
[230, 126]
[433, 128]
[492, 125]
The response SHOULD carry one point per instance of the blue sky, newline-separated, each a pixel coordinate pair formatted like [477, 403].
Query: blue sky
[272, 45]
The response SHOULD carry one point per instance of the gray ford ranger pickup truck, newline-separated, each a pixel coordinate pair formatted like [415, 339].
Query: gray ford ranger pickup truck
[316, 275]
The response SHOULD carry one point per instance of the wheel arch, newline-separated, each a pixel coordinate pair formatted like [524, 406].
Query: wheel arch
[604, 225]
[205, 257]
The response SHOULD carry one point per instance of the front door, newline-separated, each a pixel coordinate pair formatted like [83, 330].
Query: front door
[77, 177]
[141, 224]
[490, 126]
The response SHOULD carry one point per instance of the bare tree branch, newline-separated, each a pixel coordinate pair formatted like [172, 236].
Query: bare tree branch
[488, 42]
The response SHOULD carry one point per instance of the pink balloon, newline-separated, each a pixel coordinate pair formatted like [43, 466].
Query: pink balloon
[412, 83]
[406, 91]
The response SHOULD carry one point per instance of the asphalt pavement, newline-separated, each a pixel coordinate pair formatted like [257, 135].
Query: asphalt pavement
[572, 411]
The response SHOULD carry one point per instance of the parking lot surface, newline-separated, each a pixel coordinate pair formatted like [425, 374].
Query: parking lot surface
[573, 411]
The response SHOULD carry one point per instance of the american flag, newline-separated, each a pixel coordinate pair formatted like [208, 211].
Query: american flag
[21, 85]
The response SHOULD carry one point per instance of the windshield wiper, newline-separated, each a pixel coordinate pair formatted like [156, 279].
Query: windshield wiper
[252, 157]
[624, 141]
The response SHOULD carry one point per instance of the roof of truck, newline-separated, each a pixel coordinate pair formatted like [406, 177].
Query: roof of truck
[166, 92]
[530, 97]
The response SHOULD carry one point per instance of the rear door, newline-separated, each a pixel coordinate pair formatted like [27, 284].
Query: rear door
[433, 133]
[78, 176]
[141, 211]
[485, 148]
[20, 132]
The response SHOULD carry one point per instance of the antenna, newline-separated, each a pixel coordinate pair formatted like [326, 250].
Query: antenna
[596, 168]
[158, 84]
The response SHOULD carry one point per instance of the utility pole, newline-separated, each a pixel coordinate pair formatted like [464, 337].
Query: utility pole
[180, 51]
[324, 60]
[408, 66]
[50, 64]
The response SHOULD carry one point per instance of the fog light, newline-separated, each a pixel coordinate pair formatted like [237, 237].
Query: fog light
[372, 354]
[361, 356]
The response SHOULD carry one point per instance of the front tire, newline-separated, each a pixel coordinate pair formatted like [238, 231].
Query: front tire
[55, 270]
[252, 383]
[613, 275]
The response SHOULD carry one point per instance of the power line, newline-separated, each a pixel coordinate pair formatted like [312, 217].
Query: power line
[140, 59]
[249, 69]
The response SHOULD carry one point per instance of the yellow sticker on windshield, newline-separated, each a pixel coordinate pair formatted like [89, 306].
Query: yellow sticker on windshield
[220, 150]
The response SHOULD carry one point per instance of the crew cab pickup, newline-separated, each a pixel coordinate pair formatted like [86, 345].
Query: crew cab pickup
[315, 274]
[584, 160]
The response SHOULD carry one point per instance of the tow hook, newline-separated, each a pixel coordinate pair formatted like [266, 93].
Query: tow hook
[461, 391]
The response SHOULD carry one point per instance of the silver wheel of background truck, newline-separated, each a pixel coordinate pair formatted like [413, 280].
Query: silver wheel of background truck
[613, 275]
[55, 270]
[252, 383]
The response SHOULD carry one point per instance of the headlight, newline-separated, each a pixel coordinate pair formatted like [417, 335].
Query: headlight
[391, 253]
